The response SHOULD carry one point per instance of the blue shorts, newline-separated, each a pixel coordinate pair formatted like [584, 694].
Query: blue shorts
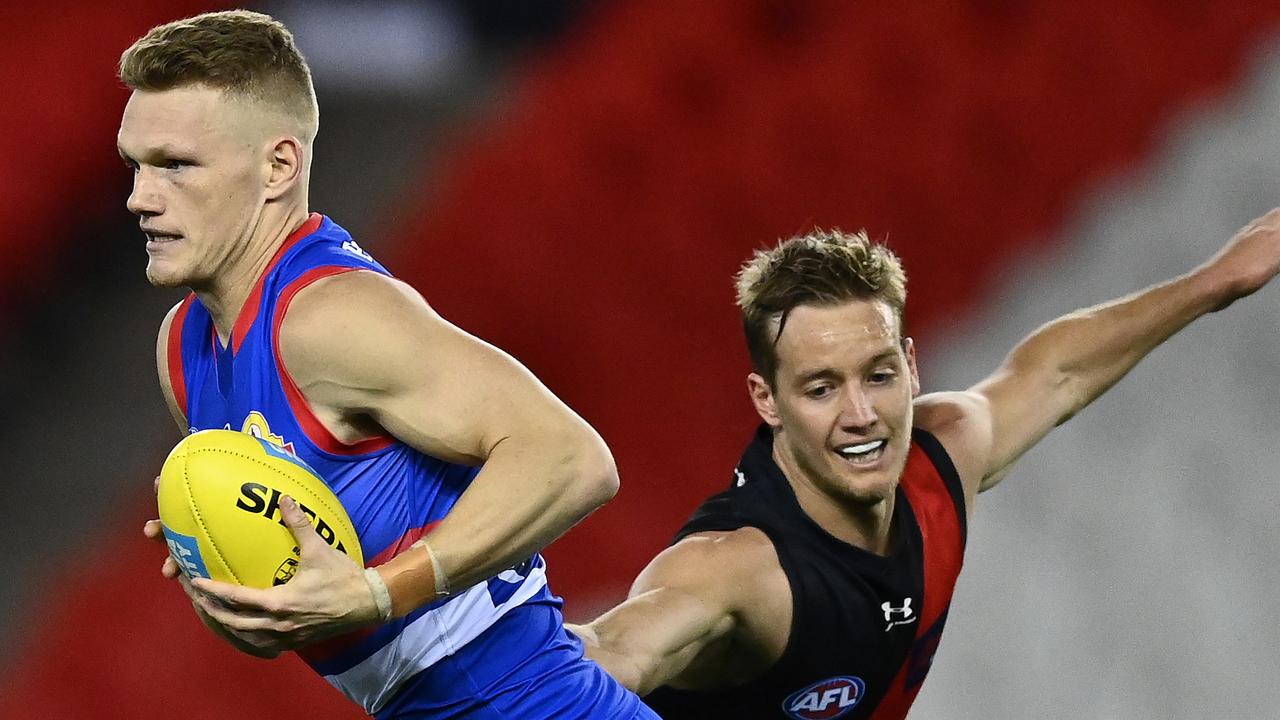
[525, 667]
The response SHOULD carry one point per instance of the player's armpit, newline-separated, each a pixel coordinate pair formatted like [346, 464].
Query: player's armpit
[702, 591]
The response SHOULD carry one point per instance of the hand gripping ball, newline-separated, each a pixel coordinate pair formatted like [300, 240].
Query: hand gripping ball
[219, 496]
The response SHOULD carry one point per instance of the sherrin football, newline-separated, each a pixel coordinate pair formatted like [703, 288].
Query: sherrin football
[219, 496]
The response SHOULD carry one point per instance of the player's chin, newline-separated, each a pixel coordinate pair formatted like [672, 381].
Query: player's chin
[869, 493]
[161, 274]
[872, 484]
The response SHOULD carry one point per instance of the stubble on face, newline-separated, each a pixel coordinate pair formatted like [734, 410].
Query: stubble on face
[193, 153]
[843, 394]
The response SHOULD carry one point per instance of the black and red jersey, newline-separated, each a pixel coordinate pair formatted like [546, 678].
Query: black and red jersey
[864, 626]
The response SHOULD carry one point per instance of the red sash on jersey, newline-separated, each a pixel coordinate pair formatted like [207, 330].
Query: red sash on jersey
[936, 513]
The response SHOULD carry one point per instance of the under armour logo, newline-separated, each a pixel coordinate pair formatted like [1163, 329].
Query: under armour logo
[904, 614]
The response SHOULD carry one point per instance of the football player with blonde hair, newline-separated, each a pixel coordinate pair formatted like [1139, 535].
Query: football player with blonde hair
[455, 464]
[818, 584]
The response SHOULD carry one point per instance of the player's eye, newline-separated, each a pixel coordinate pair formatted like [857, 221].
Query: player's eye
[818, 391]
[881, 377]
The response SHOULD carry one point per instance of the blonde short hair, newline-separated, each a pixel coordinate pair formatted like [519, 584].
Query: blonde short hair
[823, 267]
[246, 54]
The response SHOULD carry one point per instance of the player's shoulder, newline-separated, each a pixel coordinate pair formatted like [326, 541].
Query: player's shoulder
[163, 359]
[353, 303]
[736, 561]
[942, 412]
[352, 289]
[961, 422]
[358, 333]
[746, 542]
[166, 328]
[171, 315]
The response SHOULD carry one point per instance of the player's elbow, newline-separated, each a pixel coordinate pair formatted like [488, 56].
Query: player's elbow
[633, 668]
[595, 473]
[581, 469]
[1064, 388]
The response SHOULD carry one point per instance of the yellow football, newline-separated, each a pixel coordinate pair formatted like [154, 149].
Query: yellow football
[219, 497]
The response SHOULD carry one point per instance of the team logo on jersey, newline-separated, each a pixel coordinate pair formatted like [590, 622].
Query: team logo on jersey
[351, 247]
[255, 424]
[825, 699]
[898, 615]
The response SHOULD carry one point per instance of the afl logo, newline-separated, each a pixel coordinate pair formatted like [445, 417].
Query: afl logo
[825, 699]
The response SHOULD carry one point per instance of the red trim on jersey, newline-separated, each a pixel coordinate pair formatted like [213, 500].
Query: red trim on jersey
[249, 310]
[943, 543]
[307, 420]
[409, 538]
[328, 649]
[177, 377]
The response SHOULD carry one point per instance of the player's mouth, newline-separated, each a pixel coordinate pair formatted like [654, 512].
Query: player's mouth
[865, 454]
[157, 239]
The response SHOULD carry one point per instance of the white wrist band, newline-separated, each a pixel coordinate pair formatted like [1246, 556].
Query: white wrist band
[381, 595]
[442, 580]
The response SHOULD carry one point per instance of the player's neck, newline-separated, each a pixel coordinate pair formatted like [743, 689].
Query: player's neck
[227, 293]
[864, 524]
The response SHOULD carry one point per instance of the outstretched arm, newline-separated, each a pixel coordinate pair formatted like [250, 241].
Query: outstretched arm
[695, 594]
[1063, 366]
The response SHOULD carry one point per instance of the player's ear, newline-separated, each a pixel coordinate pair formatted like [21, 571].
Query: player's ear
[762, 397]
[909, 349]
[285, 163]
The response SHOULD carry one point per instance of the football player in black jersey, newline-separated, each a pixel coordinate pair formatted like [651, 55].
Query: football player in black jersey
[817, 585]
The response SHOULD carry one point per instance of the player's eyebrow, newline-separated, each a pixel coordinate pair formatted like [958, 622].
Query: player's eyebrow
[889, 354]
[827, 373]
[165, 150]
[818, 374]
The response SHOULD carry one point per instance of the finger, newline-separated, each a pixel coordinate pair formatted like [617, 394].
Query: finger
[239, 620]
[255, 644]
[153, 530]
[191, 592]
[235, 597]
[169, 568]
[300, 525]
[155, 485]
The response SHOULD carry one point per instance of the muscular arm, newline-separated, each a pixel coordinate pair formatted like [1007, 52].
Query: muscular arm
[702, 591]
[363, 346]
[1066, 364]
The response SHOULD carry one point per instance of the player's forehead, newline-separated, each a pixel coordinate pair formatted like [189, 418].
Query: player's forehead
[845, 336]
[181, 119]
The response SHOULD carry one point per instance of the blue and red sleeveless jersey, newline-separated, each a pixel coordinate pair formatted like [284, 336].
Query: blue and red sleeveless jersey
[393, 492]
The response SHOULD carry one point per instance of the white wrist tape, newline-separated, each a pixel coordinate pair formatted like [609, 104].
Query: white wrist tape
[441, 578]
[381, 595]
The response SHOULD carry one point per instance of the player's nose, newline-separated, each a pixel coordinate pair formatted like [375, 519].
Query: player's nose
[145, 198]
[856, 409]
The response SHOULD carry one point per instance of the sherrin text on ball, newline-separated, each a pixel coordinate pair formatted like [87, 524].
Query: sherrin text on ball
[219, 496]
